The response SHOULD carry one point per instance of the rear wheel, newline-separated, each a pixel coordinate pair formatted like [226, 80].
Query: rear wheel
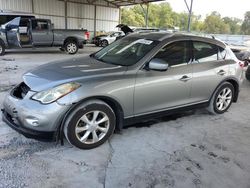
[222, 99]
[71, 47]
[90, 125]
[2, 48]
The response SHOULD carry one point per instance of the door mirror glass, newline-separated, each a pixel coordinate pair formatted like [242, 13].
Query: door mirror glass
[158, 65]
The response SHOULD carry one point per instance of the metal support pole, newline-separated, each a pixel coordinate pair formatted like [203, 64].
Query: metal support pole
[146, 17]
[66, 14]
[190, 15]
[95, 21]
[32, 6]
[120, 15]
[145, 14]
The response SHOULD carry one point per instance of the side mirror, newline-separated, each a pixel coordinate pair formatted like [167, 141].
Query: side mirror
[158, 65]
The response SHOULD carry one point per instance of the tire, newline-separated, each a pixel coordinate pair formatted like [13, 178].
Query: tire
[248, 73]
[221, 99]
[83, 118]
[2, 48]
[97, 44]
[71, 47]
[104, 43]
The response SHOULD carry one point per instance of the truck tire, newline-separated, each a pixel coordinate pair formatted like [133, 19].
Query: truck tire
[90, 125]
[2, 48]
[71, 47]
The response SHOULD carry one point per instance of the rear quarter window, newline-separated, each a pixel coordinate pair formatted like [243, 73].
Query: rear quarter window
[205, 52]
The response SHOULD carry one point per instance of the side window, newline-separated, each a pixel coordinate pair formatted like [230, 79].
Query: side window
[176, 53]
[39, 25]
[222, 53]
[204, 52]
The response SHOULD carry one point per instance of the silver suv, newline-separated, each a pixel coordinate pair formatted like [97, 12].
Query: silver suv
[135, 78]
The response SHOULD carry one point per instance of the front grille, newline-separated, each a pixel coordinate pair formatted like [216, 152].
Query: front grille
[20, 91]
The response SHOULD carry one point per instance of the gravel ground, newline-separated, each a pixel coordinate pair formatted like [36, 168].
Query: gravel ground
[193, 149]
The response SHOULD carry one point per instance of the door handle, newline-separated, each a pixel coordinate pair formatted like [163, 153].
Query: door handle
[185, 78]
[221, 72]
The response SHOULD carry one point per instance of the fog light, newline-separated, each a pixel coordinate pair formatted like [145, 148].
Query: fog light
[32, 121]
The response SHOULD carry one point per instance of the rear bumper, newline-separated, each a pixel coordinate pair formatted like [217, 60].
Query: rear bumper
[38, 135]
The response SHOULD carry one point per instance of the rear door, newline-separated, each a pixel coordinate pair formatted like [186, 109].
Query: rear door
[12, 32]
[156, 90]
[42, 34]
[209, 69]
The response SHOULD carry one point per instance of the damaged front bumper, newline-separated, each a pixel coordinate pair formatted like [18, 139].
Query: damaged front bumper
[31, 118]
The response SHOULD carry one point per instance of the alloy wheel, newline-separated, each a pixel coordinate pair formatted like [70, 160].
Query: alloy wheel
[92, 127]
[71, 48]
[224, 99]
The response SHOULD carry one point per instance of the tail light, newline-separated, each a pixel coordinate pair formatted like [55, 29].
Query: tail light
[86, 35]
[241, 64]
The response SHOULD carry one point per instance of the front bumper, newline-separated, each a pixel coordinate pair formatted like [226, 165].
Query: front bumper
[31, 118]
[29, 133]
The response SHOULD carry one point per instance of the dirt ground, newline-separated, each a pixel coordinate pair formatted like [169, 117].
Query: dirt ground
[192, 149]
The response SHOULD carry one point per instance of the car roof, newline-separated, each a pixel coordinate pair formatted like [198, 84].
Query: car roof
[160, 36]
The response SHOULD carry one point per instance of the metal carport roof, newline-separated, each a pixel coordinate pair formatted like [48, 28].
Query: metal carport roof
[119, 3]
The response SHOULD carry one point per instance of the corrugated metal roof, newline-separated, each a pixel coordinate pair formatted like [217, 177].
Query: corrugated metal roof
[119, 3]
[112, 3]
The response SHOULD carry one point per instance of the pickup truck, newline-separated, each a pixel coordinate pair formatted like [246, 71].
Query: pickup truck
[34, 33]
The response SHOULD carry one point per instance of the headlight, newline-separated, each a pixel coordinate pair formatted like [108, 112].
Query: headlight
[56, 93]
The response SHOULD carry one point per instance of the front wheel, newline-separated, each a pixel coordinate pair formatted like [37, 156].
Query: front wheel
[2, 48]
[90, 125]
[71, 47]
[222, 99]
[104, 43]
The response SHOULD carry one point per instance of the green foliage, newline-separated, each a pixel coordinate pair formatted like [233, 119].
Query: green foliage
[245, 27]
[162, 16]
[214, 24]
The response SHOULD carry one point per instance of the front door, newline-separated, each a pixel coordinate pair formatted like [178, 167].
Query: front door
[156, 90]
[42, 34]
[12, 32]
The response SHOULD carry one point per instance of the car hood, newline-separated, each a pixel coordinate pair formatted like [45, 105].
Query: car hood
[73, 70]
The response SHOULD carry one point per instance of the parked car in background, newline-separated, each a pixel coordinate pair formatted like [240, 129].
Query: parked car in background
[135, 78]
[30, 33]
[104, 40]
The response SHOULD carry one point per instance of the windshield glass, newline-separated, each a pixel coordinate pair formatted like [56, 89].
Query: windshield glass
[126, 51]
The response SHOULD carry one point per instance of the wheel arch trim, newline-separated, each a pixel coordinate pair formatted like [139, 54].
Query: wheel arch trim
[110, 101]
[235, 84]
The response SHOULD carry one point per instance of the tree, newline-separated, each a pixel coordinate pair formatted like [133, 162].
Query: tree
[214, 24]
[234, 24]
[245, 27]
[162, 16]
[132, 18]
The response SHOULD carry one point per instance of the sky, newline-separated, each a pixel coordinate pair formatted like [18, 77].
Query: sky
[230, 8]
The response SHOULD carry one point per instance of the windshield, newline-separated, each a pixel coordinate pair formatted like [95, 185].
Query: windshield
[126, 51]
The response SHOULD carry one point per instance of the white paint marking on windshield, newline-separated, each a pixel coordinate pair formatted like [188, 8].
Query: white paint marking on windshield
[144, 41]
[140, 41]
